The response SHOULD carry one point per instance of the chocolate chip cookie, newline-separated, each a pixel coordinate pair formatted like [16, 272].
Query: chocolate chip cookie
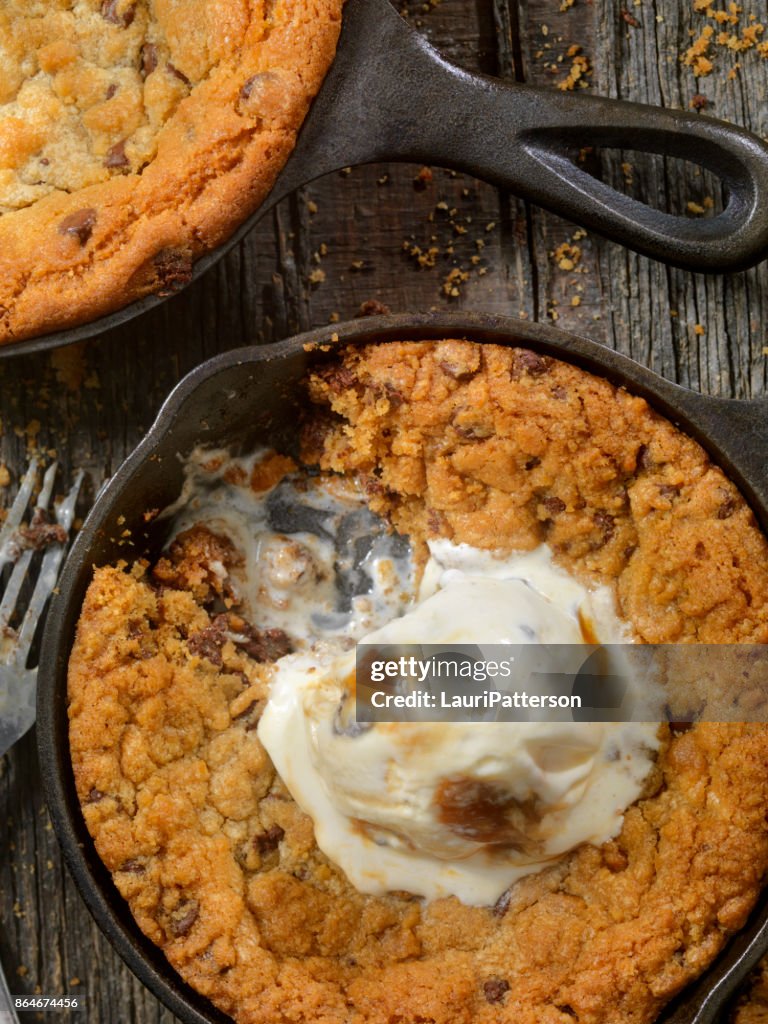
[135, 135]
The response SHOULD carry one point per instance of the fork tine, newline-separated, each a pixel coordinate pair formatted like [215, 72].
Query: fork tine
[11, 595]
[49, 573]
[16, 511]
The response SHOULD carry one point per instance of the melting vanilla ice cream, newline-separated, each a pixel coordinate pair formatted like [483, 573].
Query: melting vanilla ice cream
[459, 808]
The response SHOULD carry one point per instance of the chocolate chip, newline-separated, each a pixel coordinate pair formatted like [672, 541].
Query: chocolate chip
[456, 371]
[268, 841]
[110, 11]
[79, 224]
[248, 85]
[40, 533]
[554, 505]
[94, 796]
[699, 551]
[434, 520]
[133, 867]
[394, 396]
[495, 989]
[614, 858]
[474, 431]
[501, 906]
[246, 711]
[606, 522]
[207, 643]
[643, 458]
[559, 393]
[177, 74]
[263, 645]
[526, 362]
[148, 59]
[680, 727]
[116, 157]
[316, 431]
[458, 359]
[338, 378]
[263, 92]
[669, 490]
[183, 917]
[727, 508]
[111, 91]
[174, 270]
[372, 486]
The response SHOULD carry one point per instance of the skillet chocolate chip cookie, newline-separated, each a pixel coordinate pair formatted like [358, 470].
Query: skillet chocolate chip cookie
[200, 811]
[135, 135]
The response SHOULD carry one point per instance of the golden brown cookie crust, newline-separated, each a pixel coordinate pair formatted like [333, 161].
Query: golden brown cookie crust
[504, 449]
[201, 134]
[752, 1006]
[218, 864]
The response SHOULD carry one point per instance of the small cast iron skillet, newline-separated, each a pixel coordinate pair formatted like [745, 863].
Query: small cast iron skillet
[390, 96]
[253, 396]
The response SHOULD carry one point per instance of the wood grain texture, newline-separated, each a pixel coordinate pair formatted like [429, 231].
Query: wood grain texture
[383, 233]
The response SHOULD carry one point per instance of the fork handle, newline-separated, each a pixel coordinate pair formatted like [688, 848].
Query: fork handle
[7, 1012]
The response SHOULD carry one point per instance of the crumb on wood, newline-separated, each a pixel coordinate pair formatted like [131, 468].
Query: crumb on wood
[372, 307]
[580, 70]
[567, 256]
[453, 281]
[724, 33]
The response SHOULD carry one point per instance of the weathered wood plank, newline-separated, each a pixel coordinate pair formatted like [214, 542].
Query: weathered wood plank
[643, 63]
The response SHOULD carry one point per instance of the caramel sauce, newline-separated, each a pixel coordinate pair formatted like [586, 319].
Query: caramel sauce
[587, 627]
[487, 813]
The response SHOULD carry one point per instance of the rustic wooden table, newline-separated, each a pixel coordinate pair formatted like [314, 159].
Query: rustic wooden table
[411, 240]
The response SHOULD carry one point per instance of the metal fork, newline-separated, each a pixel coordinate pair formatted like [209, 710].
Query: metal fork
[18, 682]
[17, 546]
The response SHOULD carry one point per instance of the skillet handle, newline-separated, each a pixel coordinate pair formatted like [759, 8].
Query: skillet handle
[524, 138]
[550, 127]
[391, 96]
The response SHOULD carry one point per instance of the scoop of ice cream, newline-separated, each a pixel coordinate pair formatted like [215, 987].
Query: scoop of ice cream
[461, 808]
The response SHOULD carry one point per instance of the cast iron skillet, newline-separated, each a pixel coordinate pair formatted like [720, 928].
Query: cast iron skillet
[252, 396]
[391, 96]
